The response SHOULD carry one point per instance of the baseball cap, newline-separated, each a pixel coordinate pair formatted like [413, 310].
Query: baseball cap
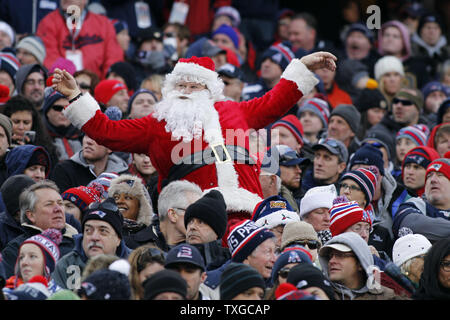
[209, 49]
[184, 253]
[336, 147]
[288, 157]
[337, 246]
[230, 71]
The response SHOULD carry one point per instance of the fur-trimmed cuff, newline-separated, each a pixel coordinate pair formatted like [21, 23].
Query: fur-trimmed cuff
[297, 72]
[82, 110]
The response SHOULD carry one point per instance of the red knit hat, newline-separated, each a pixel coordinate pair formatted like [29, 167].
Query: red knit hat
[345, 214]
[105, 89]
[439, 165]
[82, 196]
[294, 125]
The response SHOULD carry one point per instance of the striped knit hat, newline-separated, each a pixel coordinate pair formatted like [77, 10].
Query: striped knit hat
[366, 180]
[274, 211]
[294, 125]
[10, 64]
[82, 196]
[439, 165]
[245, 237]
[345, 214]
[417, 133]
[319, 107]
[280, 54]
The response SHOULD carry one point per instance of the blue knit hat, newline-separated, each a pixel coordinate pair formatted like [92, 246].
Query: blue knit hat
[245, 237]
[280, 54]
[433, 86]
[229, 32]
[50, 97]
[274, 211]
[287, 257]
[368, 155]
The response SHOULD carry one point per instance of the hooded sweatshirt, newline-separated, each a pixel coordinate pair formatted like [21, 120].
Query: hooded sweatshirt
[365, 258]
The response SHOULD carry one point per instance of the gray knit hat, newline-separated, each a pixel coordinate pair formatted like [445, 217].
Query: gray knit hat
[350, 114]
[6, 123]
[35, 46]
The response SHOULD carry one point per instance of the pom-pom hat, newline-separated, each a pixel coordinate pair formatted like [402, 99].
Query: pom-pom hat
[345, 214]
[82, 196]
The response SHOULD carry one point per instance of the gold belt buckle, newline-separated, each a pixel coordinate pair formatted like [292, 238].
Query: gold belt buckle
[228, 157]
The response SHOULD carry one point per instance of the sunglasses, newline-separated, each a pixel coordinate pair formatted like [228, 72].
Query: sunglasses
[402, 102]
[57, 107]
[84, 86]
[312, 244]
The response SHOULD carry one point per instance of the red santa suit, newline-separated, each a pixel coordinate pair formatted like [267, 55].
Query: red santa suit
[229, 125]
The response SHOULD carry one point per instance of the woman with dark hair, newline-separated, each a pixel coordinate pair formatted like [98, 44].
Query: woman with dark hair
[435, 280]
[25, 118]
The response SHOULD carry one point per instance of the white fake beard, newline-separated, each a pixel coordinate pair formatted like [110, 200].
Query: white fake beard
[185, 118]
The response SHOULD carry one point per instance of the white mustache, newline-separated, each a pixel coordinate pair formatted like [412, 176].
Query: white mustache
[94, 244]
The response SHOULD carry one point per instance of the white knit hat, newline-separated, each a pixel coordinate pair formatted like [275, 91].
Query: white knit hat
[8, 30]
[317, 197]
[408, 247]
[388, 64]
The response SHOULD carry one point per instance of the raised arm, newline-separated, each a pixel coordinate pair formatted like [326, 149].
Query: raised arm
[297, 80]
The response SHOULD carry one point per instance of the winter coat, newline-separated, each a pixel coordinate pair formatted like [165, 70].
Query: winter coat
[96, 40]
[10, 252]
[419, 216]
[69, 268]
[77, 172]
[214, 254]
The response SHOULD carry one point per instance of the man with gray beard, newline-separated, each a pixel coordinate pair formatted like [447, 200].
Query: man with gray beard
[102, 234]
[199, 136]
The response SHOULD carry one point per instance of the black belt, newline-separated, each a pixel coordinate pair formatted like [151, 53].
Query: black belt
[215, 153]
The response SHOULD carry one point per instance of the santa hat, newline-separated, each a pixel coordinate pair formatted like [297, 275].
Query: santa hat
[105, 89]
[366, 179]
[417, 133]
[439, 165]
[82, 196]
[294, 125]
[48, 241]
[245, 237]
[195, 69]
[345, 214]
[274, 211]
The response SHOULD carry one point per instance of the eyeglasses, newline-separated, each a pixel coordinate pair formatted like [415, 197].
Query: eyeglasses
[445, 264]
[340, 255]
[312, 244]
[182, 209]
[284, 272]
[57, 107]
[402, 102]
[359, 228]
[352, 188]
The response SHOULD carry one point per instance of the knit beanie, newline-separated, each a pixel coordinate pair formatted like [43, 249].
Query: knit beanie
[230, 12]
[134, 96]
[430, 17]
[104, 180]
[48, 241]
[50, 97]
[317, 197]
[245, 237]
[306, 275]
[237, 278]
[317, 106]
[5, 27]
[350, 114]
[211, 209]
[229, 32]
[105, 89]
[12, 188]
[417, 133]
[417, 98]
[371, 98]
[106, 284]
[366, 179]
[274, 211]
[294, 125]
[433, 86]
[421, 155]
[126, 71]
[368, 155]
[105, 211]
[10, 64]
[132, 185]
[6, 123]
[35, 46]
[40, 157]
[164, 281]
[287, 257]
[82, 196]
[279, 54]
[439, 165]
[297, 231]
[388, 64]
[345, 214]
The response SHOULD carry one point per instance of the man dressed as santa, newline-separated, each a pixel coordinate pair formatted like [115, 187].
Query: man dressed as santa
[194, 134]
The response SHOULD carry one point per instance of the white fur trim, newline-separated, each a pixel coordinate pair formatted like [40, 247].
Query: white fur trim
[296, 71]
[82, 110]
[194, 69]
[280, 217]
